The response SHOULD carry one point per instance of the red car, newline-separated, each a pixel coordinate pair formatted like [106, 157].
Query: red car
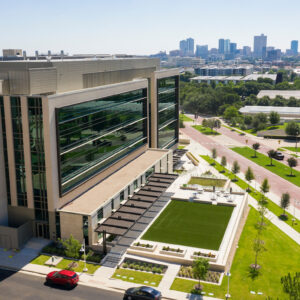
[64, 277]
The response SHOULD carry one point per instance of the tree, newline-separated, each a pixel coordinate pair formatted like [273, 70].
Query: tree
[200, 269]
[255, 147]
[264, 188]
[258, 248]
[71, 246]
[285, 202]
[230, 113]
[271, 154]
[249, 176]
[235, 168]
[223, 162]
[248, 120]
[293, 129]
[292, 163]
[291, 285]
[274, 117]
[214, 153]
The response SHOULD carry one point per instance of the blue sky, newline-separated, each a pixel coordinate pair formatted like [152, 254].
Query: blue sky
[143, 26]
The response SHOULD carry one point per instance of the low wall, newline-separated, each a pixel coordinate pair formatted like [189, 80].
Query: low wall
[15, 237]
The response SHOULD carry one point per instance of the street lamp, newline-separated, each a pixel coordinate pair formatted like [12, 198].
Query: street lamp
[228, 295]
[82, 249]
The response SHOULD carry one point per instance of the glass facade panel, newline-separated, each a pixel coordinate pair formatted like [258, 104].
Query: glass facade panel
[18, 150]
[5, 150]
[167, 107]
[35, 117]
[94, 134]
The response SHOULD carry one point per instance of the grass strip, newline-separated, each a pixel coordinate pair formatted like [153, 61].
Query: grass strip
[277, 168]
[282, 256]
[273, 207]
[206, 130]
[138, 277]
[184, 118]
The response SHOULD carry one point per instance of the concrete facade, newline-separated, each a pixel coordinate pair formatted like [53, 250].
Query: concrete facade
[59, 84]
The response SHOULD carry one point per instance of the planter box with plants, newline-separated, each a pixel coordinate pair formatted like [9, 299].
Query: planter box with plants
[211, 276]
[210, 256]
[172, 251]
[143, 247]
[144, 266]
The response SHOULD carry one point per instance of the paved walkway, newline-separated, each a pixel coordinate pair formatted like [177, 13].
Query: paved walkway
[288, 230]
[278, 184]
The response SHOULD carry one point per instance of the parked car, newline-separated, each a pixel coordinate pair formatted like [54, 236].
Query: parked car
[278, 155]
[142, 293]
[64, 277]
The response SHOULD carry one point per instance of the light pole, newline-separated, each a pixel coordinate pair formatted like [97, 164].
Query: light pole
[228, 295]
[83, 250]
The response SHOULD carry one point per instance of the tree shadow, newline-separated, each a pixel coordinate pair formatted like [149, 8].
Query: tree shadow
[253, 273]
[289, 175]
[283, 217]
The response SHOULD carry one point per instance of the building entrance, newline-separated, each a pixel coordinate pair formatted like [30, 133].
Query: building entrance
[42, 230]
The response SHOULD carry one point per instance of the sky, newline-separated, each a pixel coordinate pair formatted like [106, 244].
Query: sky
[143, 26]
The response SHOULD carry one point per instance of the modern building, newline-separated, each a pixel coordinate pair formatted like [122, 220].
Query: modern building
[183, 47]
[274, 54]
[201, 51]
[246, 51]
[221, 46]
[228, 70]
[190, 46]
[294, 47]
[227, 46]
[260, 45]
[285, 113]
[272, 94]
[77, 137]
[11, 52]
[233, 48]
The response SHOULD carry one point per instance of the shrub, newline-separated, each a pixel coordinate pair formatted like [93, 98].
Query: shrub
[125, 265]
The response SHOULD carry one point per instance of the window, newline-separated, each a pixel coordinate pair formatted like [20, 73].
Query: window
[121, 196]
[135, 184]
[95, 134]
[112, 204]
[167, 107]
[85, 226]
[100, 214]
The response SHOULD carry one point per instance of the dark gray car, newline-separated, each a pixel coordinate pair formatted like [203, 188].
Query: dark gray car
[142, 293]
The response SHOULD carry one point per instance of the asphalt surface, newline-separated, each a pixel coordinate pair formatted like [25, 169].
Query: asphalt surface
[17, 285]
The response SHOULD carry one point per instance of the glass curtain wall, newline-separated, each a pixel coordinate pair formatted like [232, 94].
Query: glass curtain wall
[93, 135]
[167, 107]
[35, 117]
[5, 150]
[18, 150]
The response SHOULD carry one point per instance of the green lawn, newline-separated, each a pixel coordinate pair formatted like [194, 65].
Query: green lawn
[273, 207]
[278, 168]
[207, 181]
[40, 260]
[184, 118]
[282, 256]
[180, 147]
[205, 130]
[190, 224]
[292, 149]
[138, 277]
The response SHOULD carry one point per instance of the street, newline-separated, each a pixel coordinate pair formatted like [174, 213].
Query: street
[16, 285]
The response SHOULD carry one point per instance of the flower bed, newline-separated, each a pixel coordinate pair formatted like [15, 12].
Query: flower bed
[187, 272]
[172, 251]
[210, 256]
[144, 266]
[143, 247]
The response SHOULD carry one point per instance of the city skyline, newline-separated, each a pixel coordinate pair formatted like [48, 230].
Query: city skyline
[115, 27]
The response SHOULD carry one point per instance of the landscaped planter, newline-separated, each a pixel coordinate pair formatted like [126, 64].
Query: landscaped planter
[172, 251]
[143, 266]
[210, 256]
[143, 247]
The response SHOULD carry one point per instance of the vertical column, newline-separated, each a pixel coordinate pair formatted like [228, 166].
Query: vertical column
[10, 150]
[3, 192]
[27, 152]
[153, 95]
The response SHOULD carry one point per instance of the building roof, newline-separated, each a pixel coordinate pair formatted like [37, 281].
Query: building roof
[96, 197]
[256, 76]
[282, 110]
[238, 78]
[285, 94]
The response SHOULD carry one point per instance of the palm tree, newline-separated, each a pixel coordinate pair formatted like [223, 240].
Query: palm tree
[255, 147]
[271, 154]
[292, 163]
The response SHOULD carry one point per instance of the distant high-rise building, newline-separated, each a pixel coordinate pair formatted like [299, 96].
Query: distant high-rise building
[227, 46]
[233, 47]
[183, 47]
[187, 47]
[294, 47]
[221, 46]
[201, 51]
[190, 46]
[260, 42]
[246, 51]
